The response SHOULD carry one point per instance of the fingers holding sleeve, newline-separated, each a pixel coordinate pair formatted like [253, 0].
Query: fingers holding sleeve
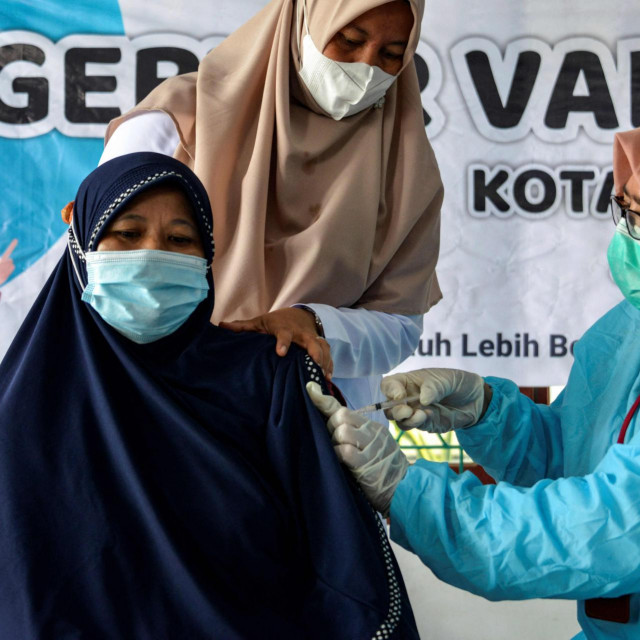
[284, 338]
[319, 349]
[242, 325]
[326, 357]
[327, 405]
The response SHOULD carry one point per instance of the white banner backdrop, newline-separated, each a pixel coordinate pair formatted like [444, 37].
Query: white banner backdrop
[521, 100]
[531, 96]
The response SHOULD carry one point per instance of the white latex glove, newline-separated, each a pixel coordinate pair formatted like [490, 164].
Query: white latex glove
[365, 447]
[449, 399]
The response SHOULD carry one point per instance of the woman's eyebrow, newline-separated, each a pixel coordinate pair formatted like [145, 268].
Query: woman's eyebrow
[365, 33]
[357, 28]
[131, 216]
[183, 221]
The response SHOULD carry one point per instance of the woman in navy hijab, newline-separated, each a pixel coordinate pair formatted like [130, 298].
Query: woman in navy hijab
[161, 477]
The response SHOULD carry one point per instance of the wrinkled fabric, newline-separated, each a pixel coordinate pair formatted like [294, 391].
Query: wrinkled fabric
[564, 521]
[182, 489]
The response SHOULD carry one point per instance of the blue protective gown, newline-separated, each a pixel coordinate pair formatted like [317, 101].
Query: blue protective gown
[564, 520]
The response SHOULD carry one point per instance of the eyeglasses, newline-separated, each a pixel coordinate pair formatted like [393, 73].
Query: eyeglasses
[631, 217]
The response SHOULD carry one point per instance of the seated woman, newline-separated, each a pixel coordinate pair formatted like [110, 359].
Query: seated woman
[161, 477]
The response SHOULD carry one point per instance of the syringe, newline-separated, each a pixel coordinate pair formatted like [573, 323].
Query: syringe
[387, 404]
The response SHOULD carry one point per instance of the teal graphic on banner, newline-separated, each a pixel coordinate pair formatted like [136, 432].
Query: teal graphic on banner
[39, 175]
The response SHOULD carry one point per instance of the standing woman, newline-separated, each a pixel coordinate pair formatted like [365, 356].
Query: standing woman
[306, 127]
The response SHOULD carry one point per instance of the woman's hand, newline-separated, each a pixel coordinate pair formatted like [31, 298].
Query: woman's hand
[290, 325]
[366, 447]
[449, 399]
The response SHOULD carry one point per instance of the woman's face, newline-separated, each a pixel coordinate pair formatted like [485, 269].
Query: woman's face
[378, 37]
[159, 218]
[632, 194]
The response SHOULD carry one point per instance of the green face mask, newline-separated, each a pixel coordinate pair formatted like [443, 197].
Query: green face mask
[624, 261]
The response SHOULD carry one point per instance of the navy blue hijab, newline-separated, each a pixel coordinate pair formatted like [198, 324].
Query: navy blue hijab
[182, 489]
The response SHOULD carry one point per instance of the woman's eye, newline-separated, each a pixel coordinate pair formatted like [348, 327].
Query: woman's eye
[349, 42]
[393, 56]
[181, 239]
[127, 234]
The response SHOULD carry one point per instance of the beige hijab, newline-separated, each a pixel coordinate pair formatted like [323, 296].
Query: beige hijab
[626, 158]
[307, 209]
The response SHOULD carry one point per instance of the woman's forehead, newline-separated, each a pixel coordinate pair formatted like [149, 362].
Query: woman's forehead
[161, 205]
[388, 20]
[161, 196]
[124, 180]
[632, 188]
[327, 17]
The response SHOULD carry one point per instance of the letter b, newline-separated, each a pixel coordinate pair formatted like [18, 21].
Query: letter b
[557, 346]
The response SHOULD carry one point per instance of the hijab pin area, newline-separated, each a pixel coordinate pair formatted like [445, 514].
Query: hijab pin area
[379, 104]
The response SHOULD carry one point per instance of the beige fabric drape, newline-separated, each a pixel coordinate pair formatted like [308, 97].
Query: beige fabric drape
[307, 209]
[626, 158]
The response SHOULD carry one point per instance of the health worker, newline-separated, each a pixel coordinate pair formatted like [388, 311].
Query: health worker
[306, 127]
[563, 520]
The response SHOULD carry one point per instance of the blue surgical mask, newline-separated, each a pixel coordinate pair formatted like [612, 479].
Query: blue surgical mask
[145, 294]
[624, 262]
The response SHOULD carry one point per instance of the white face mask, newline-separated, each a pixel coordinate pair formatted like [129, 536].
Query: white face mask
[341, 88]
